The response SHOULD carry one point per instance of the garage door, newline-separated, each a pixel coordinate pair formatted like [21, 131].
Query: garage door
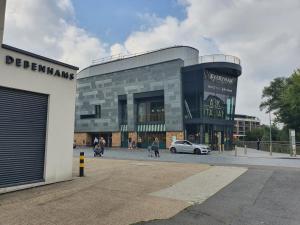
[23, 120]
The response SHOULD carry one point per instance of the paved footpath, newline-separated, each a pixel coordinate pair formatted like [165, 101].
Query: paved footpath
[261, 196]
[253, 158]
[267, 194]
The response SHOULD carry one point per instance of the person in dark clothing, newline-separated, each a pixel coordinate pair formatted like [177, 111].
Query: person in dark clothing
[129, 143]
[258, 144]
[155, 147]
[97, 150]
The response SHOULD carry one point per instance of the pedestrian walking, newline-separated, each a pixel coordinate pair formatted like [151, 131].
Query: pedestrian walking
[129, 143]
[155, 147]
[258, 144]
[96, 142]
[102, 145]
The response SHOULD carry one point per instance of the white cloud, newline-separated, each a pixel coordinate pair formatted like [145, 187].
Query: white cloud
[263, 33]
[118, 49]
[48, 28]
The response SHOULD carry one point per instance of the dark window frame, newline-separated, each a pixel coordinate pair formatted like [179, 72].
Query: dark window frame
[96, 115]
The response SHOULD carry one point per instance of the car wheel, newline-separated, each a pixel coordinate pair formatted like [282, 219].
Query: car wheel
[173, 150]
[197, 151]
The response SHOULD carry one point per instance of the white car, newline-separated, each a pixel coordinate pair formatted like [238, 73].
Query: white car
[186, 146]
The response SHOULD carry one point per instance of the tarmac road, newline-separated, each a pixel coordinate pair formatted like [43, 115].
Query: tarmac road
[261, 196]
[253, 158]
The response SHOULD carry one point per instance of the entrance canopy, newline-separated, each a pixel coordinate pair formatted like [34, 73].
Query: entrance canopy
[151, 128]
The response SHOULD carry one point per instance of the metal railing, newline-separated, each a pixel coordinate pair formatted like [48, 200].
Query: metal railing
[219, 58]
[124, 56]
[277, 146]
[114, 57]
[202, 59]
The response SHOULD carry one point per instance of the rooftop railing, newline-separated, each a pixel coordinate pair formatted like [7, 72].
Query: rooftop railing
[125, 55]
[202, 59]
[219, 58]
[115, 57]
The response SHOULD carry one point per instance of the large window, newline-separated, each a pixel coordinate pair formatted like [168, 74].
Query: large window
[193, 95]
[142, 112]
[157, 111]
[95, 115]
[123, 111]
[219, 95]
[211, 95]
[150, 110]
[193, 104]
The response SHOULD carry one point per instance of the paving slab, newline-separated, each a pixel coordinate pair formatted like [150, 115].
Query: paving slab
[199, 187]
[113, 192]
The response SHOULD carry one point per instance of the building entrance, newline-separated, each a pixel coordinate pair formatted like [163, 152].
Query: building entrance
[216, 136]
[124, 139]
[146, 139]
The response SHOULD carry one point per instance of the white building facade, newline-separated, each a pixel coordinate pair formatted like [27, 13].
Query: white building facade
[244, 124]
[37, 105]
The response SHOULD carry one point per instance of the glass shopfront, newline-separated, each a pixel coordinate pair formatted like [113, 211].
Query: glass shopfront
[150, 110]
[150, 121]
[145, 139]
[209, 105]
[213, 135]
[219, 95]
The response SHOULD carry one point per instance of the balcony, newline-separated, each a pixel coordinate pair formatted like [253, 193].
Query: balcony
[219, 58]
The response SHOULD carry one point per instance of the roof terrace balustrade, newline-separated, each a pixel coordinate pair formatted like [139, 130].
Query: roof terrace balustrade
[219, 58]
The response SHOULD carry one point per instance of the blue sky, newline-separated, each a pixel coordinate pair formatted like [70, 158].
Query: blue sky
[260, 32]
[114, 20]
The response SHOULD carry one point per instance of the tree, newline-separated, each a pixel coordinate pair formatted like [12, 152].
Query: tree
[289, 112]
[282, 98]
[272, 95]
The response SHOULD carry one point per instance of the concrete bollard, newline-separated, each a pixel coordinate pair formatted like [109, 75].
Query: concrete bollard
[235, 151]
[81, 164]
[245, 149]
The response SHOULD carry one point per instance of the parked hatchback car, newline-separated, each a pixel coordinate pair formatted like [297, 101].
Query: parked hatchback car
[189, 147]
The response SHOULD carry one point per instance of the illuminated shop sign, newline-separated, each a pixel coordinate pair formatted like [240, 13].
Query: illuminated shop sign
[214, 107]
[219, 79]
[218, 83]
[27, 65]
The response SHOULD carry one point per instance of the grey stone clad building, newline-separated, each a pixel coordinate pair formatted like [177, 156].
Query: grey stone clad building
[170, 93]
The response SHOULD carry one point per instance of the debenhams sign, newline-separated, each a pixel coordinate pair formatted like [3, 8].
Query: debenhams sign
[25, 64]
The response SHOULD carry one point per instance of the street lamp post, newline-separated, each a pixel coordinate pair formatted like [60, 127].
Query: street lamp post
[270, 133]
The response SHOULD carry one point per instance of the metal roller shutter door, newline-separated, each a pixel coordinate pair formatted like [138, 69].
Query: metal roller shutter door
[23, 121]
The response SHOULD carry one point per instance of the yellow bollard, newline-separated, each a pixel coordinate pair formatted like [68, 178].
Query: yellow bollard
[81, 164]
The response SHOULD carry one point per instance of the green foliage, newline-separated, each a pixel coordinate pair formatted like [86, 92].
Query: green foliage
[272, 95]
[263, 133]
[254, 134]
[282, 97]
